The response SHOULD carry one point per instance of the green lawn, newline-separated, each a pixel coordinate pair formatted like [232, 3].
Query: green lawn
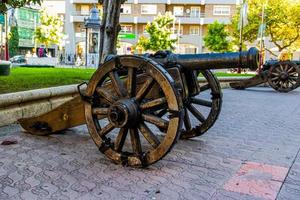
[22, 79]
[224, 74]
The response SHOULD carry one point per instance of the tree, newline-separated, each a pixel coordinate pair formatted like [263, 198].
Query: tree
[15, 4]
[50, 29]
[217, 38]
[13, 41]
[160, 33]
[282, 19]
[110, 27]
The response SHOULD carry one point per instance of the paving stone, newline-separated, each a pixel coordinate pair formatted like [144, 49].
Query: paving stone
[252, 128]
[289, 192]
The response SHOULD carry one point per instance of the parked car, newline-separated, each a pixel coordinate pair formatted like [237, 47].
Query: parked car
[18, 59]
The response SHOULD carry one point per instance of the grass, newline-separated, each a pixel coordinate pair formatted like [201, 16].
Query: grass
[224, 74]
[22, 79]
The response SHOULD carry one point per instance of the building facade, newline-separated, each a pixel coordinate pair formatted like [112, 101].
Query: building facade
[192, 19]
[27, 19]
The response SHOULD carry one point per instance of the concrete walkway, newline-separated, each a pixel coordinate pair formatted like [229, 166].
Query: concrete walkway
[252, 152]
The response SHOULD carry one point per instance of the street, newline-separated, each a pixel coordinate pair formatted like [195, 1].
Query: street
[252, 152]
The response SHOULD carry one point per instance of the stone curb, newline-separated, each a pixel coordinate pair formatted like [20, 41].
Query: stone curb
[32, 103]
[36, 95]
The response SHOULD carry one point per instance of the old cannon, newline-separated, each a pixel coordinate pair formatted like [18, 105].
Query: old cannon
[155, 99]
[282, 76]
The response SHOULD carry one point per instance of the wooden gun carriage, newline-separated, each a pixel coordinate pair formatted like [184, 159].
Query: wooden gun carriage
[137, 107]
[282, 76]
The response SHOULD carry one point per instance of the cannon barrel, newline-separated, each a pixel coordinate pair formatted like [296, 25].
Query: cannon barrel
[245, 59]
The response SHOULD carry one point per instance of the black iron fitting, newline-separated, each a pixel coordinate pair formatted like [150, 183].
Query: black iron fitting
[41, 126]
[124, 159]
[118, 62]
[143, 160]
[105, 145]
[83, 96]
[174, 114]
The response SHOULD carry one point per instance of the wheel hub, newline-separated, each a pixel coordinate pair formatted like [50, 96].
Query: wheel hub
[123, 113]
[284, 76]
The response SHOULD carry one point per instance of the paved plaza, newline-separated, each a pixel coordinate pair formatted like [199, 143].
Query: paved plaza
[252, 152]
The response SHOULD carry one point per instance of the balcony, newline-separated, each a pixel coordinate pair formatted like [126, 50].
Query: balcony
[201, 19]
[191, 39]
[84, 1]
[79, 16]
[136, 19]
[194, 18]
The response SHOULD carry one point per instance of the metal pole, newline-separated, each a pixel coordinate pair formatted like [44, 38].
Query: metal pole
[261, 39]
[86, 46]
[241, 33]
[178, 34]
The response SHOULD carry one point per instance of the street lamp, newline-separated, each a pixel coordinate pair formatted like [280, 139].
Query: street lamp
[92, 22]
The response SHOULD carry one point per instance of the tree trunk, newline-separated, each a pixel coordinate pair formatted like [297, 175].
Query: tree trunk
[110, 27]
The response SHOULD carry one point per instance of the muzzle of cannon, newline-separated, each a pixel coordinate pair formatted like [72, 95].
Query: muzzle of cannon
[137, 107]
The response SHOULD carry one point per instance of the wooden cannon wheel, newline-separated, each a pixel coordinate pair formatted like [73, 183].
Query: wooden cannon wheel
[284, 76]
[203, 108]
[123, 94]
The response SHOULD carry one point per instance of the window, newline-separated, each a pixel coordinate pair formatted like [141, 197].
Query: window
[84, 9]
[221, 10]
[180, 31]
[178, 11]
[126, 28]
[195, 11]
[148, 9]
[126, 9]
[194, 30]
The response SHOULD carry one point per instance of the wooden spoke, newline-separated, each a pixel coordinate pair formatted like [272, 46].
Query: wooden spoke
[275, 74]
[118, 84]
[149, 135]
[196, 113]
[294, 78]
[159, 122]
[275, 78]
[161, 112]
[100, 111]
[204, 87]
[120, 140]
[135, 141]
[105, 130]
[187, 121]
[144, 89]
[281, 67]
[291, 68]
[292, 81]
[131, 82]
[201, 102]
[154, 103]
[106, 95]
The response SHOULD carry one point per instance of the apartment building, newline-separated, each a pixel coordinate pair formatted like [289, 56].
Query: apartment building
[192, 19]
